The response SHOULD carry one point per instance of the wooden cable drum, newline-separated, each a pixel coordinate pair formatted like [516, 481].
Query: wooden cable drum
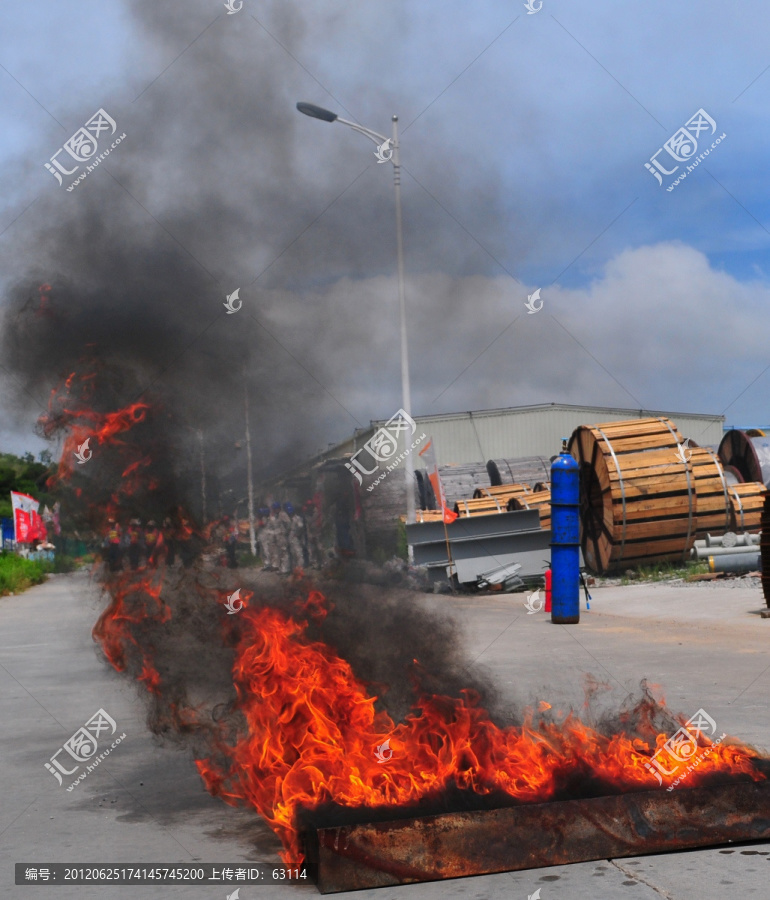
[747, 501]
[732, 475]
[764, 549]
[637, 498]
[748, 452]
[541, 501]
[715, 507]
[502, 491]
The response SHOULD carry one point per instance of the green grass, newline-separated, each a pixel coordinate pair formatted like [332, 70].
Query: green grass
[17, 574]
[665, 572]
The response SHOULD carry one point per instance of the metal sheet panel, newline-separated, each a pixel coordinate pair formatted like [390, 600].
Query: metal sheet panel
[530, 836]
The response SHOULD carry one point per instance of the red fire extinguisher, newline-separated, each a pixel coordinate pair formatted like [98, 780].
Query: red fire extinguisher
[547, 590]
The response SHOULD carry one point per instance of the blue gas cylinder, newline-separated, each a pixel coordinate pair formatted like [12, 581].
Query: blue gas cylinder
[565, 539]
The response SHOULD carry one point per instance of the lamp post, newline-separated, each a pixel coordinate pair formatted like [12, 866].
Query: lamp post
[249, 475]
[317, 112]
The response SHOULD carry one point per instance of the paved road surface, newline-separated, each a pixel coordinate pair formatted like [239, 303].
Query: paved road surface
[707, 648]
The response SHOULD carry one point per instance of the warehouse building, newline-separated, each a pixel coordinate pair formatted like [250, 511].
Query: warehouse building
[472, 449]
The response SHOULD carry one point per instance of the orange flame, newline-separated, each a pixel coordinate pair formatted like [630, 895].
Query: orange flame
[312, 732]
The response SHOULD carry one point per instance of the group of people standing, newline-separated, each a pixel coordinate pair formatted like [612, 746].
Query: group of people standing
[290, 538]
[145, 544]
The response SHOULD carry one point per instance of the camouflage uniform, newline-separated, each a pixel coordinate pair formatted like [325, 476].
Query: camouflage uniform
[272, 541]
[282, 527]
[297, 540]
[262, 536]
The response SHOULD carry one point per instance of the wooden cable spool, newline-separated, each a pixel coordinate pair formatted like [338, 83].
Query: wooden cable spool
[764, 548]
[541, 501]
[637, 498]
[715, 507]
[747, 501]
[748, 452]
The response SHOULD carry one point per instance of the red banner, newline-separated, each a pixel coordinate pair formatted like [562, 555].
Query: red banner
[27, 523]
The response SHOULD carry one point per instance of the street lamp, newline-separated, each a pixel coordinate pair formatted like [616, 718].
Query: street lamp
[317, 112]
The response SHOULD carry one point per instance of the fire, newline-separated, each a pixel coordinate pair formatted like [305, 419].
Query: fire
[135, 600]
[312, 733]
[312, 729]
[82, 423]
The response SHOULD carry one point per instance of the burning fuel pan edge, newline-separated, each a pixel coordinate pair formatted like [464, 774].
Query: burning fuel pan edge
[531, 836]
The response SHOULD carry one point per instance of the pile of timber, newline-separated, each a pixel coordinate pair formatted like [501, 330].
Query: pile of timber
[461, 482]
[488, 501]
[645, 497]
[539, 500]
[426, 515]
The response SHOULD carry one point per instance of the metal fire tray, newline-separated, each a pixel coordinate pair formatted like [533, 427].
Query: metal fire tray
[530, 836]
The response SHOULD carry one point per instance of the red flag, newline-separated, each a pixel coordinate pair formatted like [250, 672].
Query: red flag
[431, 467]
[27, 523]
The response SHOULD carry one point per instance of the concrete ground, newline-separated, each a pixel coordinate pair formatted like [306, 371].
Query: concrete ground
[705, 645]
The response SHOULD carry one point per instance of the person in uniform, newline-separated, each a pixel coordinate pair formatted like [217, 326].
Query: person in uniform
[154, 542]
[169, 539]
[230, 541]
[296, 536]
[263, 537]
[135, 542]
[112, 543]
[184, 541]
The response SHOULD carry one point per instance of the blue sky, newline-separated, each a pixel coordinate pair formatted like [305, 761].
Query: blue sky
[524, 143]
